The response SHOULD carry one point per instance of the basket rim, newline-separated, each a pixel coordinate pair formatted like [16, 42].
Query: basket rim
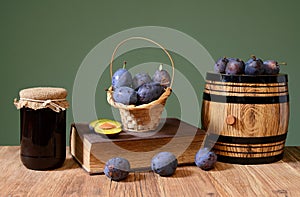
[160, 100]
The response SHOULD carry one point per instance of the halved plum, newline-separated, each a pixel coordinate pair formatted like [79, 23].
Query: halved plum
[106, 127]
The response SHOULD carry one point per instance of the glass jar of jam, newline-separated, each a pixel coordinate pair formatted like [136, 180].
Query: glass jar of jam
[42, 127]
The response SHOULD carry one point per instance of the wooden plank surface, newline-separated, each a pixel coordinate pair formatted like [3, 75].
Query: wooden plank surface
[277, 179]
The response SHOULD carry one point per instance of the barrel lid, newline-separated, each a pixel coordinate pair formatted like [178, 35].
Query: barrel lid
[43, 97]
[279, 78]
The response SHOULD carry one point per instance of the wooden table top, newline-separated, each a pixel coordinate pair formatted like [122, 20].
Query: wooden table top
[277, 179]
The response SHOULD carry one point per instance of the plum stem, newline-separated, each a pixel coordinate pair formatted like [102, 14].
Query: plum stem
[160, 67]
[253, 57]
[124, 64]
[282, 63]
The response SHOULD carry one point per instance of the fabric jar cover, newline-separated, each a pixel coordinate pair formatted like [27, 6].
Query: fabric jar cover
[43, 97]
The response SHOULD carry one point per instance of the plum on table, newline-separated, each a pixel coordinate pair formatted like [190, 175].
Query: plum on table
[205, 159]
[117, 168]
[164, 164]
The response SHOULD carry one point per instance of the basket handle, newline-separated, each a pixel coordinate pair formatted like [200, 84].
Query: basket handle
[149, 40]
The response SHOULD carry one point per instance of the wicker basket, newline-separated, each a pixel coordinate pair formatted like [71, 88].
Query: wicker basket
[145, 117]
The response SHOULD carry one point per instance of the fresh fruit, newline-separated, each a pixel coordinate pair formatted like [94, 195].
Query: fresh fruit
[220, 65]
[272, 67]
[233, 58]
[205, 159]
[140, 79]
[254, 66]
[125, 95]
[121, 78]
[234, 66]
[149, 92]
[164, 164]
[162, 77]
[117, 168]
[109, 128]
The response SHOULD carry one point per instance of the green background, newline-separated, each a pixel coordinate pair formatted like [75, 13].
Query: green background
[43, 43]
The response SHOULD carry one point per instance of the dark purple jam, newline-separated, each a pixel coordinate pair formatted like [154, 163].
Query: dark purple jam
[43, 138]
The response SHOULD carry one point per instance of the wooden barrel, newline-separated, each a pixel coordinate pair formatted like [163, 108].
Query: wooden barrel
[246, 117]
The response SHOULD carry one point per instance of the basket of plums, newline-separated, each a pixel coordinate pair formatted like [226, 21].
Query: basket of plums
[140, 98]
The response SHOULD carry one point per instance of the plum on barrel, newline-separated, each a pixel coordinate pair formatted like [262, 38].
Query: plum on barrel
[220, 65]
[125, 95]
[272, 67]
[117, 168]
[121, 77]
[149, 92]
[235, 66]
[254, 66]
[140, 79]
[164, 164]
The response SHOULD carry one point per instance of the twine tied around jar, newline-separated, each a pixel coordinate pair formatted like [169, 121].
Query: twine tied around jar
[47, 102]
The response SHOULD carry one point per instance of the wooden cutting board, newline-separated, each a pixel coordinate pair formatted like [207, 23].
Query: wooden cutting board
[92, 150]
